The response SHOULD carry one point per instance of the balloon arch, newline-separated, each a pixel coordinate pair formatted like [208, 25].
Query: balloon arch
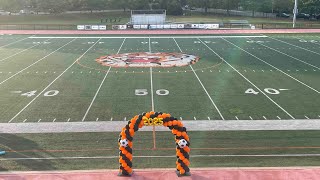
[154, 119]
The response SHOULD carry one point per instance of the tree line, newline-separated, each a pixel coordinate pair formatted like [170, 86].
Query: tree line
[174, 7]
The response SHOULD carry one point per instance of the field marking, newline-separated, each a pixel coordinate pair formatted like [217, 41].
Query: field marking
[151, 86]
[19, 52]
[52, 82]
[142, 37]
[273, 67]
[98, 90]
[213, 103]
[95, 96]
[151, 80]
[163, 156]
[261, 91]
[199, 125]
[16, 42]
[288, 55]
[36, 62]
[294, 45]
[250, 117]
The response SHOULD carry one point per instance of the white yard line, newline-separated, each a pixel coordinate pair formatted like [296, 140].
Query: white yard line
[52, 82]
[213, 103]
[95, 96]
[273, 67]
[141, 37]
[151, 80]
[151, 86]
[166, 156]
[288, 55]
[98, 90]
[17, 42]
[295, 45]
[18, 53]
[261, 91]
[36, 62]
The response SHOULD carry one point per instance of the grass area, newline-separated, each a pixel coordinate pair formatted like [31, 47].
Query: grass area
[54, 79]
[276, 83]
[104, 145]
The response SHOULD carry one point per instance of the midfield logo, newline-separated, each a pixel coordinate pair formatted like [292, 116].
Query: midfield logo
[147, 59]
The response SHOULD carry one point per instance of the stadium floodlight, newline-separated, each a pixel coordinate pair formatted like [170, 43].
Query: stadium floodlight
[295, 12]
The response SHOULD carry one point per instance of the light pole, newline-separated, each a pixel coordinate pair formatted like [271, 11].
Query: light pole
[295, 11]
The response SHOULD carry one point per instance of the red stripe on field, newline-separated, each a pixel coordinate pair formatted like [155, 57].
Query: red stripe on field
[299, 173]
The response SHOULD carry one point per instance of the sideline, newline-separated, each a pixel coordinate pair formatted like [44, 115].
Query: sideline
[199, 125]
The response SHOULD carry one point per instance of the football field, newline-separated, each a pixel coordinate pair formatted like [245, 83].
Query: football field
[51, 80]
[238, 77]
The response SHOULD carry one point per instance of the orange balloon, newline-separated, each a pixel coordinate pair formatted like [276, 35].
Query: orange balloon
[124, 165]
[175, 122]
[178, 133]
[182, 171]
[170, 123]
[185, 161]
[147, 115]
[187, 149]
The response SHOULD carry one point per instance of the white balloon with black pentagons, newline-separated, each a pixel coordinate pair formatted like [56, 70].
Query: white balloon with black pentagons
[124, 142]
[182, 143]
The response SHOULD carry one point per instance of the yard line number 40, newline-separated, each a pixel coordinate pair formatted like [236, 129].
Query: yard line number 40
[267, 90]
[46, 94]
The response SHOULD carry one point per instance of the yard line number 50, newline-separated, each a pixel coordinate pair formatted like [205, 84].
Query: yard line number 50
[144, 92]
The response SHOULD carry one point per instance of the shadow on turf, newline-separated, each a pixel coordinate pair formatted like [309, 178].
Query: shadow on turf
[20, 147]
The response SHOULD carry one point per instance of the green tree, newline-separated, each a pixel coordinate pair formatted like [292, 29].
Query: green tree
[174, 8]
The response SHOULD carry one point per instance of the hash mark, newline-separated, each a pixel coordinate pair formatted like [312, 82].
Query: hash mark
[68, 120]
[125, 119]
[237, 117]
[264, 117]
[254, 71]
[307, 117]
[54, 120]
[250, 117]
[97, 119]
[195, 118]
[209, 118]
[262, 70]
[181, 118]
[25, 120]
[39, 120]
[111, 119]
[278, 117]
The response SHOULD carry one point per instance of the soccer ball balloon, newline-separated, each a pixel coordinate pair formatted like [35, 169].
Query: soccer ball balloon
[182, 143]
[124, 142]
